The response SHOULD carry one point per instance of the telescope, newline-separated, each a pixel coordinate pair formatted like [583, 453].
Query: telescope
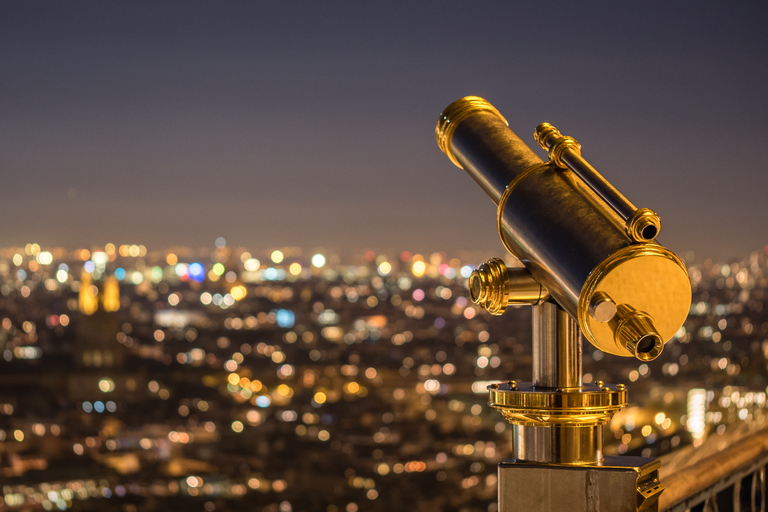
[592, 267]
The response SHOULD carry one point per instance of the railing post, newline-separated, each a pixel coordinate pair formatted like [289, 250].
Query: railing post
[753, 492]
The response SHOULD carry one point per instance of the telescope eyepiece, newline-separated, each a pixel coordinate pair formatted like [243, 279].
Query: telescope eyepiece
[635, 331]
[647, 344]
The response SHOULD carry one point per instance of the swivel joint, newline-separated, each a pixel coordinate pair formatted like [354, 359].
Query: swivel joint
[494, 286]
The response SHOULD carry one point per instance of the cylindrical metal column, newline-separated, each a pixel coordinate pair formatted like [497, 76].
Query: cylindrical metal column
[556, 348]
[557, 444]
[556, 364]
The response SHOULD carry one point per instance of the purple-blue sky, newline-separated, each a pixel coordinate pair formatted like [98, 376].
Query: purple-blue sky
[312, 123]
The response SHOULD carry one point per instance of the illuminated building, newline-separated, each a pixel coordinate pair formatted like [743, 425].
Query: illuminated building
[97, 354]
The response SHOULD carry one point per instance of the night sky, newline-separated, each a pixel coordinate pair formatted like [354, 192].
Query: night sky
[312, 123]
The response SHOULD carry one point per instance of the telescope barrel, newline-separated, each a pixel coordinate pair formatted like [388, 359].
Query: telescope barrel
[568, 237]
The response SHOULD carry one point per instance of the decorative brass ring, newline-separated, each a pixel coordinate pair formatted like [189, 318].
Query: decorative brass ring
[547, 419]
[503, 202]
[624, 254]
[528, 405]
[489, 286]
[558, 148]
[544, 134]
[641, 223]
[551, 140]
[454, 114]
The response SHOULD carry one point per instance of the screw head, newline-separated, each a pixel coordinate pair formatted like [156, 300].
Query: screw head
[602, 308]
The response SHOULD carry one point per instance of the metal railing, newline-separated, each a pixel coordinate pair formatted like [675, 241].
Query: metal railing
[730, 480]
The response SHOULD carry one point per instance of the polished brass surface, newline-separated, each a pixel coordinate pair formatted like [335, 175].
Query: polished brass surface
[623, 277]
[616, 484]
[643, 225]
[454, 114]
[556, 348]
[550, 139]
[524, 289]
[558, 444]
[489, 286]
[538, 406]
[635, 331]
[493, 286]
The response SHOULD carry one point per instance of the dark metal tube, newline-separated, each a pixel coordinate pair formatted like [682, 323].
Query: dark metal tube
[641, 225]
[620, 204]
[566, 152]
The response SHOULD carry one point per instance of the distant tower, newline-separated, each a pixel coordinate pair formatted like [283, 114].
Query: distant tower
[96, 345]
[99, 358]
[91, 297]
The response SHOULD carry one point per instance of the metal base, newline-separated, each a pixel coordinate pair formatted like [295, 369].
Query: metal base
[617, 484]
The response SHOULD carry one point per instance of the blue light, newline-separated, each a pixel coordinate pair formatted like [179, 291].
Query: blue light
[270, 274]
[89, 266]
[120, 273]
[285, 318]
[196, 272]
[98, 406]
[263, 401]
[21, 274]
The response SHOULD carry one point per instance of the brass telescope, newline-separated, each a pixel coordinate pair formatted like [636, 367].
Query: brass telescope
[592, 266]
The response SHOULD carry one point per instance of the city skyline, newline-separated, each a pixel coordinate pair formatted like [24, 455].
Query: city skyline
[136, 381]
[313, 126]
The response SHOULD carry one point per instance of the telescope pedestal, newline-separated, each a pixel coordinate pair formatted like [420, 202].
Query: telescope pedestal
[616, 484]
[557, 435]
